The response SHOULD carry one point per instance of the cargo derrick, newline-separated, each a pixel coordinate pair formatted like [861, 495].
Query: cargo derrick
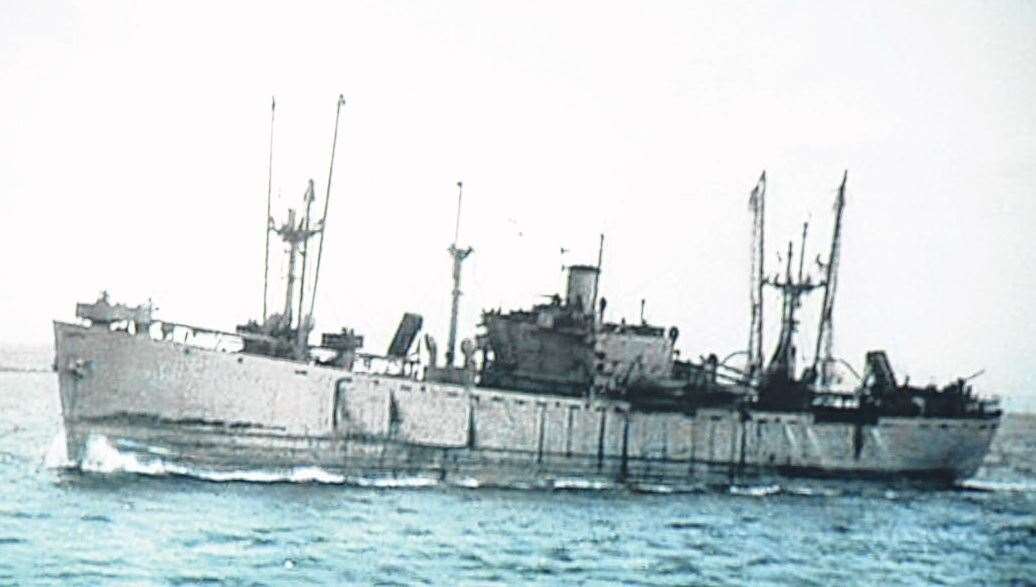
[882, 394]
[286, 335]
[757, 204]
[781, 388]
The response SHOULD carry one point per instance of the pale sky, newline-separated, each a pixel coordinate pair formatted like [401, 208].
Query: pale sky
[134, 137]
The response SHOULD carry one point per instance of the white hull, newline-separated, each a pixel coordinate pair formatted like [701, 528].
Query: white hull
[228, 411]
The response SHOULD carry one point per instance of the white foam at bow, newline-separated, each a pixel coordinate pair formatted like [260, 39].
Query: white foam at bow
[101, 456]
[57, 454]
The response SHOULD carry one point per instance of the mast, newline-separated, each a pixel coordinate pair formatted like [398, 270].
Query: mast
[269, 221]
[757, 203]
[597, 280]
[458, 256]
[297, 236]
[288, 234]
[802, 249]
[327, 202]
[782, 364]
[759, 286]
[825, 332]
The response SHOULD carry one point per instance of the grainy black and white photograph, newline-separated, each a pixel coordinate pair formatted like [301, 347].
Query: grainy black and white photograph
[508, 293]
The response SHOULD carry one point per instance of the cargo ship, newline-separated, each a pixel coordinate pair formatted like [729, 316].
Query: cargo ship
[553, 395]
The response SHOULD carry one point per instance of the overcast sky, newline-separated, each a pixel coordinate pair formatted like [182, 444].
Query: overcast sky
[134, 145]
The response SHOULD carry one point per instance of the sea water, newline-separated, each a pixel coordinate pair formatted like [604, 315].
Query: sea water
[130, 520]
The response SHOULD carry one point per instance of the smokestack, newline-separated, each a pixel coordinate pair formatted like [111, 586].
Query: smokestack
[582, 283]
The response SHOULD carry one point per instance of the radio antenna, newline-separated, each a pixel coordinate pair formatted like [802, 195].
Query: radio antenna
[268, 221]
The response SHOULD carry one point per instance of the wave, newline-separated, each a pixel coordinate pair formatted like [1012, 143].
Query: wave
[791, 490]
[812, 491]
[996, 486]
[467, 483]
[668, 489]
[754, 490]
[583, 484]
[101, 456]
[653, 488]
[104, 457]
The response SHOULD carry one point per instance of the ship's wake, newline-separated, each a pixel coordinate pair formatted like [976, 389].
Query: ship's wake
[998, 486]
[103, 456]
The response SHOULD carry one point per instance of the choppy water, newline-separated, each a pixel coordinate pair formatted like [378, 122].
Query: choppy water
[67, 528]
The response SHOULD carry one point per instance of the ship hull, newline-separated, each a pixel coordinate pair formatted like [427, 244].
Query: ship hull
[205, 410]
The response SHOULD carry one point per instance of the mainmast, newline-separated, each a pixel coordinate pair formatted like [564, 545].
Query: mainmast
[782, 364]
[825, 332]
[458, 256]
[757, 204]
[302, 332]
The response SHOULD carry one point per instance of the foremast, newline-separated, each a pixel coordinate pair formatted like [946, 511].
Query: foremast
[287, 334]
[297, 236]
